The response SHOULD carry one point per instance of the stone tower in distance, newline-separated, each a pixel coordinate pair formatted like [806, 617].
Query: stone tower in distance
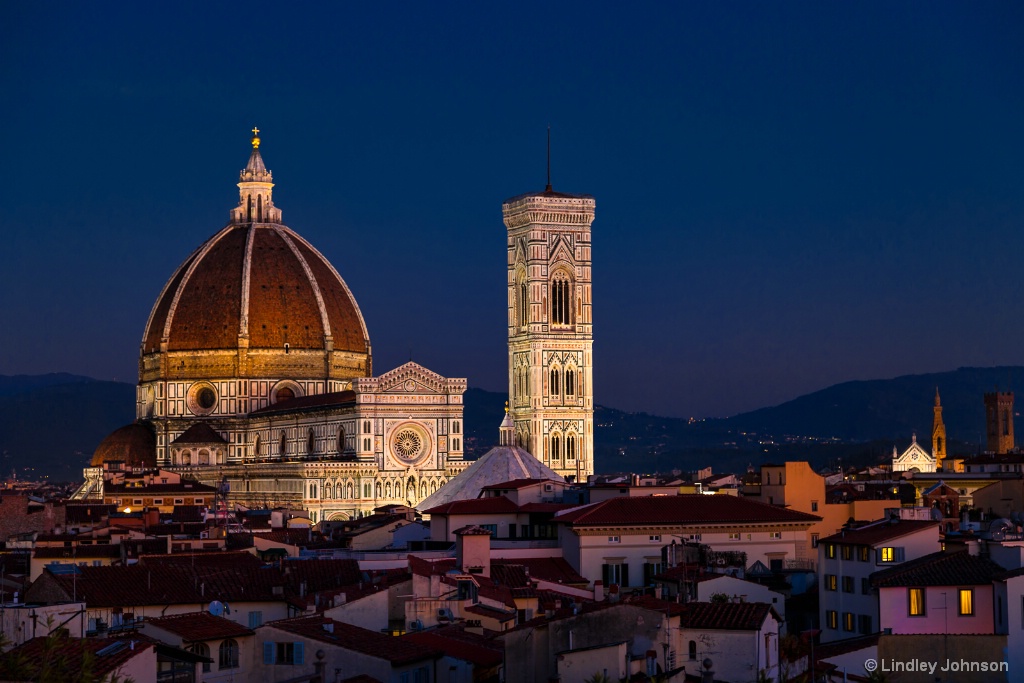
[999, 421]
[550, 328]
[938, 433]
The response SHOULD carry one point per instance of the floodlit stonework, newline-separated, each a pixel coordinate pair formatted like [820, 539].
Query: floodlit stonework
[550, 329]
[255, 366]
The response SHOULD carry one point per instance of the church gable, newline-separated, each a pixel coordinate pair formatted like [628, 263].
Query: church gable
[915, 457]
[411, 378]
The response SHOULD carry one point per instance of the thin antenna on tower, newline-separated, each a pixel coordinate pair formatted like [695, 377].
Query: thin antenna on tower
[548, 188]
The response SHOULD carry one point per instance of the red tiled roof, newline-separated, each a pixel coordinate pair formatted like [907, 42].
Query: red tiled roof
[492, 505]
[455, 643]
[940, 569]
[472, 530]
[880, 532]
[200, 432]
[682, 509]
[489, 612]
[80, 551]
[66, 656]
[724, 616]
[553, 569]
[187, 488]
[398, 651]
[198, 626]
[546, 507]
[424, 567]
[334, 398]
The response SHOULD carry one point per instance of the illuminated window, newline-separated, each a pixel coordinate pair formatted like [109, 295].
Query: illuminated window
[830, 551]
[775, 535]
[847, 552]
[966, 602]
[848, 621]
[831, 583]
[865, 553]
[887, 555]
[832, 619]
[916, 606]
[734, 537]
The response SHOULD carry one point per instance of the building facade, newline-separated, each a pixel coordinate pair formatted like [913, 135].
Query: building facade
[255, 368]
[550, 328]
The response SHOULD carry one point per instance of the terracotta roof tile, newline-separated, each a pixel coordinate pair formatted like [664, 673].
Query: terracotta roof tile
[398, 651]
[334, 398]
[198, 626]
[725, 616]
[880, 532]
[940, 569]
[458, 644]
[200, 432]
[493, 505]
[682, 509]
[66, 655]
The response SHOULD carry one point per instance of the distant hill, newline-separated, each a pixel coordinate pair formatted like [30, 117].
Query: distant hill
[54, 422]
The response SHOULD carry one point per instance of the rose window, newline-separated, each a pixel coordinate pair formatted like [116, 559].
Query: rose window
[408, 444]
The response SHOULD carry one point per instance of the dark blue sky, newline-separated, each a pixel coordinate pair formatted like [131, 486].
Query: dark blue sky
[789, 195]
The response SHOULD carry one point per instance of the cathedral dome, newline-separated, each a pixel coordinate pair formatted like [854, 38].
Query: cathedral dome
[255, 300]
[134, 445]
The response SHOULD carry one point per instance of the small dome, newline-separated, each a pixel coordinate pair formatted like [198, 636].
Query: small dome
[134, 445]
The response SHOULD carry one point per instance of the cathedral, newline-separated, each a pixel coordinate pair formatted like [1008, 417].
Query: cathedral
[256, 368]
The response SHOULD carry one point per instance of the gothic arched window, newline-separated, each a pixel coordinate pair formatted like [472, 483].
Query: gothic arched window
[455, 427]
[561, 300]
[312, 490]
[554, 382]
[570, 447]
[556, 447]
[523, 307]
[570, 382]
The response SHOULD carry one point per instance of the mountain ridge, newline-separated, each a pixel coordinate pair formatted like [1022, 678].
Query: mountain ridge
[52, 423]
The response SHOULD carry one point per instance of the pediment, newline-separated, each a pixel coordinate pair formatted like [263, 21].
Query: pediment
[411, 378]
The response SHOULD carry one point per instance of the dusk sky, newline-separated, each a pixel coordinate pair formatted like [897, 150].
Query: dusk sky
[789, 195]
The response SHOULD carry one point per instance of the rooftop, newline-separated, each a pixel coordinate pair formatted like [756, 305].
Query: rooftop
[398, 651]
[682, 509]
[940, 569]
[199, 626]
[880, 532]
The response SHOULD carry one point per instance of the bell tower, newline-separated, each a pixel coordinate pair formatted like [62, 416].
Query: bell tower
[550, 328]
[938, 433]
[999, 421]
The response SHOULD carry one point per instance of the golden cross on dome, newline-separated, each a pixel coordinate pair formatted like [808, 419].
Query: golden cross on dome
[255, 137]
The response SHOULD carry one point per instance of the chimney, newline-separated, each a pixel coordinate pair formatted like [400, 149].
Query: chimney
[473, 549]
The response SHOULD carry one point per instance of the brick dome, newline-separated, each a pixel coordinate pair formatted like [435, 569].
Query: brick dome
[252, 294]
[134, 445]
